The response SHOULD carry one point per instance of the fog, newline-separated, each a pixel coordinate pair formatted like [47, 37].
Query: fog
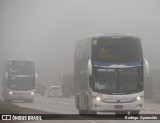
[46, 30]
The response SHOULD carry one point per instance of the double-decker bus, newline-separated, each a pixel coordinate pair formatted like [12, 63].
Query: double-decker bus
[109, 74]
[19, 80]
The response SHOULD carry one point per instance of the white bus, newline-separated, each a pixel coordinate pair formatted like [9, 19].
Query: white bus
[109, 74]
[19, 80]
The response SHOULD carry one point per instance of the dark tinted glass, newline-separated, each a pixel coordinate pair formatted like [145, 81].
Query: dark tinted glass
[129, 79]
[21, 67]
[105, 79]
[21, 83]
[117, 50]
[126, 80]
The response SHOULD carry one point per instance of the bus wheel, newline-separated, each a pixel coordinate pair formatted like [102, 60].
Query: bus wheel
[92, 113]
[89, 112]
[77, 102]
[82, 112]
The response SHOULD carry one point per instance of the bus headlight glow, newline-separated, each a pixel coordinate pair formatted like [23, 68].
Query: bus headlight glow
[32, 93]
[138, 98]
[98, 98]
[10, 92]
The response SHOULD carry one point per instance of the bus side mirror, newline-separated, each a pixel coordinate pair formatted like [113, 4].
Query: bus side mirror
[145, 67]
[89, 68]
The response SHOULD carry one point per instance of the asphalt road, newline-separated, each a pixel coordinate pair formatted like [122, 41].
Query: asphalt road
[67, 106]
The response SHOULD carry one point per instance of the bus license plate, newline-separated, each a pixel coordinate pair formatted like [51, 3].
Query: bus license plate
[118, 107]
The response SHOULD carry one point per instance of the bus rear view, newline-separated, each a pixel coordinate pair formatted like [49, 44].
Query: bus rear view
[19, 80]
[113, 77]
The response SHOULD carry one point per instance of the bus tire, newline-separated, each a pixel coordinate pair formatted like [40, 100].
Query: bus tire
[89, 112]
[92, 113]
[77, 102]
[82, 112]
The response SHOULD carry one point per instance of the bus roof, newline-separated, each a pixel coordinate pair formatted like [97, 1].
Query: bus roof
[111, 35]
[20, 60]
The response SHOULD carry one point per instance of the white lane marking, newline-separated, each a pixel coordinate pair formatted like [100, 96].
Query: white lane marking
[91, 121]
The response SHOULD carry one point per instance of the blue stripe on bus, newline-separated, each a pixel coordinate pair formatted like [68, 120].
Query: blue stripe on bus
[136, 63]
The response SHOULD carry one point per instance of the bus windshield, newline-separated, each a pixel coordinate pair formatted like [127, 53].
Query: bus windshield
[21, 83]
[117, 50]
[117, 80]
[21, 67]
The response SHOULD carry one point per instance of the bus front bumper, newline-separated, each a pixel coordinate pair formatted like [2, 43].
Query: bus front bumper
[112, 107]
[20, 96]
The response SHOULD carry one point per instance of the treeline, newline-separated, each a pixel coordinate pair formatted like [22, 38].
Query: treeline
[68, 86]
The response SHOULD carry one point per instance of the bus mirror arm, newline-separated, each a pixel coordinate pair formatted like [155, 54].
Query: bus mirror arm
[6, 76]
[89, 68]
[146, 66]
[36, 75]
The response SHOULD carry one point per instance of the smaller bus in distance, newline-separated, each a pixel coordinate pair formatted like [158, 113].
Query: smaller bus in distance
[109, 74]
[19, 78]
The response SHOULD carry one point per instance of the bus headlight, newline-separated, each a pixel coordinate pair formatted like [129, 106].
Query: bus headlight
[98, 98]
[10, 92]
[138, 98]
[32, 93]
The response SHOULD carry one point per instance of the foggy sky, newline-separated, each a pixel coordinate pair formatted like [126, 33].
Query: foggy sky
[46, 30]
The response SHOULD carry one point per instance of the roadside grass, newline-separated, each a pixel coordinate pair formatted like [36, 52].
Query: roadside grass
[8, 108]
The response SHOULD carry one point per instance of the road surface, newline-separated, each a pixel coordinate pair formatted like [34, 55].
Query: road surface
[67, 106]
